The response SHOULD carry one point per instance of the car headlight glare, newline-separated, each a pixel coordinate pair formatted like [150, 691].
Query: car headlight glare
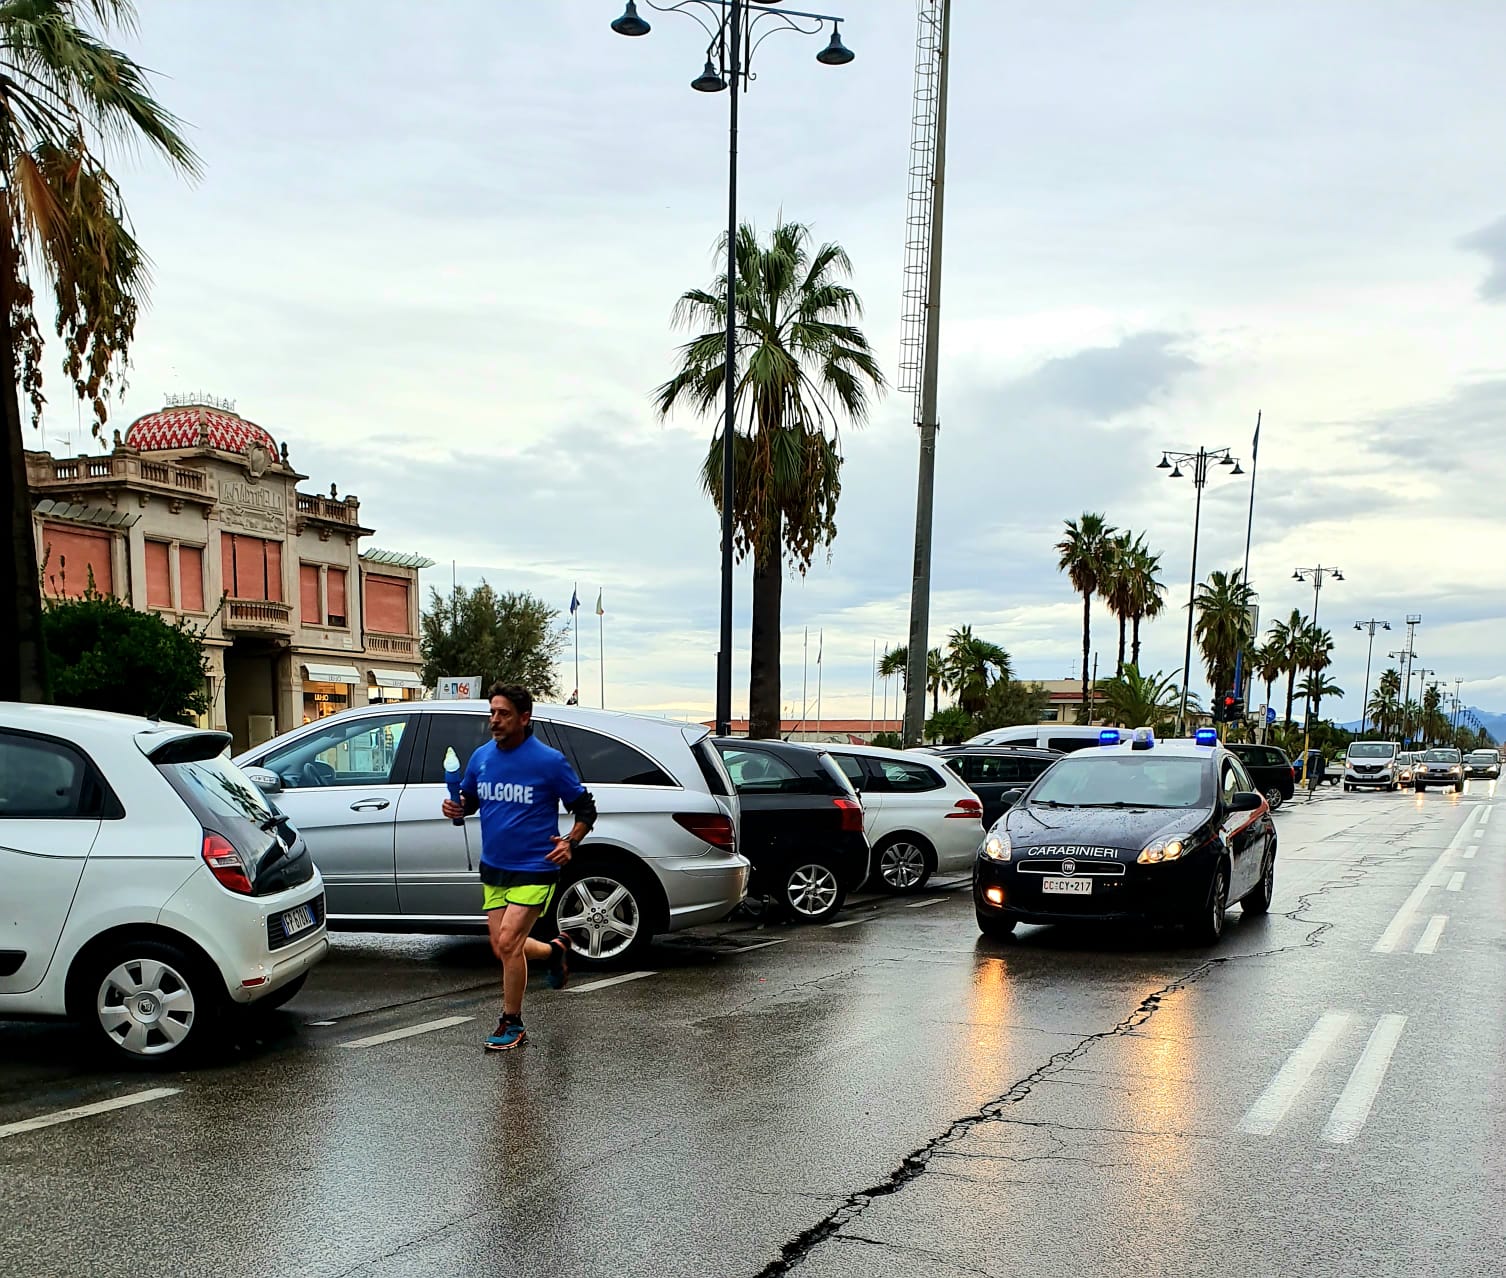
[997, 847]
[1162, 850]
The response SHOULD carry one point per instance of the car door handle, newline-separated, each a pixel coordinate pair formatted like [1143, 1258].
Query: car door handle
[370, 805]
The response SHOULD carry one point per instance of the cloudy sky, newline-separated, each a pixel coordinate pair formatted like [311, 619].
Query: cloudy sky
[436, 250]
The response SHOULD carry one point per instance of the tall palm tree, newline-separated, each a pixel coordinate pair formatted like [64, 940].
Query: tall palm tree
[1149, 592]
[1133, 700]
[970, 665]
[68, 103]
[1084, 557]
[1287, 635]
[1385, 702]
[1314, 655]
[1268, 664]
[1119, 586]
[896, 662]
[1223, 626]
[803, 369]
[1316, 686]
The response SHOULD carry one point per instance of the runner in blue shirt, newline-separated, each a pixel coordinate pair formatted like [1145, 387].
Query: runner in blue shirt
[517, 783]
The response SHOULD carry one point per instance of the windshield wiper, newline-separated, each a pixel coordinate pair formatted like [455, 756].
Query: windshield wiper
[1123, 805]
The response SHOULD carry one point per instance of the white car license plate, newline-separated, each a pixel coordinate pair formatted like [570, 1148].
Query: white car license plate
[1067, 887]
[299, 919]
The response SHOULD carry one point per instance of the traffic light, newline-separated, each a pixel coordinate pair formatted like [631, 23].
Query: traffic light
[1229, 710]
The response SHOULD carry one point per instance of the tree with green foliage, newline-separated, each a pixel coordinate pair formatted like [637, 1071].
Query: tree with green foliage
[1223, 628]
[896, 662]
[1084, 554]
[888, 740]
[951, 726]
[67, 101]
[509, 636]
[803, 370]
[1010, 702]
[105, 655]
[970, 665]
[1133, 700]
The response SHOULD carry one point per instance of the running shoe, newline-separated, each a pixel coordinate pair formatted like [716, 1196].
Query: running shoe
[509, 1034]
[559, 962]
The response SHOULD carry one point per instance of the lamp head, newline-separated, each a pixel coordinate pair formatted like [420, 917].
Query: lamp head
[836, 54]
[1175, 474]
[630, 24]
[1163, 464]
[709, 81]
[1297, 575]
[1238, 469]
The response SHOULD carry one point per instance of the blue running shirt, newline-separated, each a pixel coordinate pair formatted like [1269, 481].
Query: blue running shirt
[519, 793]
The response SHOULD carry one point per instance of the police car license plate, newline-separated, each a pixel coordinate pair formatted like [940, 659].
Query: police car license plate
[299, 919]
[1067, 887]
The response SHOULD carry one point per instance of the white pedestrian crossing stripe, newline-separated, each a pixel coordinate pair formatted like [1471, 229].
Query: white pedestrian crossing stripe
[1352, 1109]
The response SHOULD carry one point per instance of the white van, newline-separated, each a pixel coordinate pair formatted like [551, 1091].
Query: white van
[1043, 736]
[1372, 763]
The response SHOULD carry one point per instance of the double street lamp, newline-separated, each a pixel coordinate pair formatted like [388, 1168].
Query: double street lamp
[736, 28]
[1371, 626]
[1200, 463]
[1317, 574]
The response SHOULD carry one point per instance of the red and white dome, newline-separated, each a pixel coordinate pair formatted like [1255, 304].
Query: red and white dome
[197, 426]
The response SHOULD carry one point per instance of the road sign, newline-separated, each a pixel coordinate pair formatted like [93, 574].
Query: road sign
[1270, 714]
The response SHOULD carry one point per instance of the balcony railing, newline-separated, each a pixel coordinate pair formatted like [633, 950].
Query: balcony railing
[258, 614]
[72, 470]
[340, 512]
[395, 645]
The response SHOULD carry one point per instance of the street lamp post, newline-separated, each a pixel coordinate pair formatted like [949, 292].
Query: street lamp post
[1458, 683]
[1422, 677]
[1414, 619]
[731, 26]
[1200, 462]
[1369, 651]
[1317, 574]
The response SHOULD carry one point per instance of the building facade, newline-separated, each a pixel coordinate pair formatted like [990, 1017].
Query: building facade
[196, 514]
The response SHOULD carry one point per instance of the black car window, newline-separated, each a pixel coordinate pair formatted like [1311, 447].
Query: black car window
[990, 768]
[462, 733]
[604, 760]
[900, 776]
[361, 751]
[761, 772]
[1068, 744]
[852, 769]
[1229, 781]
[1032, 768]
[43, 780]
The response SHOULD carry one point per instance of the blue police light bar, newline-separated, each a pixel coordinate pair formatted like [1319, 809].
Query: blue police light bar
[1206, 736]
[1144, 739]
[1108, 736]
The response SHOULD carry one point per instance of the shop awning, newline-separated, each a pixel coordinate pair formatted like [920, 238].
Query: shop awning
[395, 678]
[331, 674]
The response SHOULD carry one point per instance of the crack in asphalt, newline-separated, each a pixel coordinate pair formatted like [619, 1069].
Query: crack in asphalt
[918, 1162]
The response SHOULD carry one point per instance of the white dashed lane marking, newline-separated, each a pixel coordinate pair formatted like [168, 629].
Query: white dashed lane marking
[1471, 852]
[1431, 935]
[85, 1111]
[930, 900]
[408, 1031]
[611, 980]
[1456, 881]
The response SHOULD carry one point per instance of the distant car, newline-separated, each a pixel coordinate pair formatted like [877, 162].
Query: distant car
[1322, 774]
[365, 786]
[997, 774]
[1483, 763]
[1270, 769]
[1371, 764]
[919, 816]
[1438, 767]
[1063, 738]
[1405, 762]
[802, 826]
[149, 888]
[1170, 831]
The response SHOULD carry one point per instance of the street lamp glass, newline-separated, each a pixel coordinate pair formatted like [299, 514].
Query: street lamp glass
[836, 54]
[1238, 470]
[1337, 575]
[709, 81]
[1175, 474]
[1227, 460]
[1297, 575]
[1163, 464]
[630, 24]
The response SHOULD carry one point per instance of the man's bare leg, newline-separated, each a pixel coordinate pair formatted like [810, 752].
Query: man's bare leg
[509, 929]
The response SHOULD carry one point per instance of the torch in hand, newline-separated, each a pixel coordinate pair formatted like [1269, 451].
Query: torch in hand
[452, 779]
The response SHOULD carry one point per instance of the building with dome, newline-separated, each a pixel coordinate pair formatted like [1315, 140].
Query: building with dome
[196, 513]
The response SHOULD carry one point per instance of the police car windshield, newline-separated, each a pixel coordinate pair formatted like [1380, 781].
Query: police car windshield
[1138, 780]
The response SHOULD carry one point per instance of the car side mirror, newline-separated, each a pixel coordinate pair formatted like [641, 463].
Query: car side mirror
[264, 779]
[1011, 797]
[1245, 801]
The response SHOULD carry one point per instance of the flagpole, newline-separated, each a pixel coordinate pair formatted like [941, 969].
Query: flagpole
[1250, 521]
[575, 626]
[601, 651]
[805, 678]
[820, 651]
[872, 684]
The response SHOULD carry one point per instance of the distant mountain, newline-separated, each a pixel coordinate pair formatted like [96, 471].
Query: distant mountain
[1494, 723]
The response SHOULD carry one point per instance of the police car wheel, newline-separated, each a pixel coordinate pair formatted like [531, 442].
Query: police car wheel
[1258, 900]
[1206, 927]
[994, 926]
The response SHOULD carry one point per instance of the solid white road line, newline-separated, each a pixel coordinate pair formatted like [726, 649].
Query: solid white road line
[86, 1111]
[848, 923]
[930, 900]
[1265, 1115]
[1471, 851]
[1390, 939]
[1430, 936]
[762, 945]
[1364, 1084]
[391, 1036]
[611, 980]
[1456, 881]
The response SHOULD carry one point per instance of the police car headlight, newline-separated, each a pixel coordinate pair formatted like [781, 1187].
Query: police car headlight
[996, 847]
[1162, 850]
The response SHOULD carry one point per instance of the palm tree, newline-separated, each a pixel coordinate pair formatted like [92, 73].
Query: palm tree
[1084, 557]
[803, 368]
[1223, 626]
[1149, 593]
[970, 665]
[67, 101]
[1287, 635]
[1133, 700]
[1119, 585]
[1268, 663]
[1315, 687]
[896, 661]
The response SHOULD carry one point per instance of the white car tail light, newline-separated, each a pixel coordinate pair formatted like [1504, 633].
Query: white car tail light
[967, 810]
[226, 863]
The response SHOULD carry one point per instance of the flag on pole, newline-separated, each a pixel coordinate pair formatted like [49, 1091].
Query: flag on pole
[574, 601]
[1255, 443]
[573, 699]
[600, 611]
[820, 646]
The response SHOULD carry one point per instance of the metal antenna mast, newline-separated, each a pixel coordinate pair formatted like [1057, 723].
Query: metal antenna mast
[921, 326]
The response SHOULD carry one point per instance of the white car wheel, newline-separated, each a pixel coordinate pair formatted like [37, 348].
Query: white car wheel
[151, 1001]
[903, 865]
[602, 914]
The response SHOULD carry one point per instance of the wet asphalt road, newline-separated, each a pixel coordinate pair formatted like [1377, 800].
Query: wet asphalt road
[1323, 1093]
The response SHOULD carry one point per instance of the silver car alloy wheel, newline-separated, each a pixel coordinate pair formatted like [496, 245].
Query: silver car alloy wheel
[1220, 905]
[145, 1006]
[600, 915]
[902, 864]
[1274, 797]
[811, 889]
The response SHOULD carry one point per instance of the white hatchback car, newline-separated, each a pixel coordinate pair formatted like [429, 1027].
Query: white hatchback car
[148, 886]
[920, 816]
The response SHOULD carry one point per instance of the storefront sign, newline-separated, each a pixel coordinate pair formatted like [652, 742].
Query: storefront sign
[459, 689]
[257, 508]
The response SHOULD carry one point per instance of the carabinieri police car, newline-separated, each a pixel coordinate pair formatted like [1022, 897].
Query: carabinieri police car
[1136, 829]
